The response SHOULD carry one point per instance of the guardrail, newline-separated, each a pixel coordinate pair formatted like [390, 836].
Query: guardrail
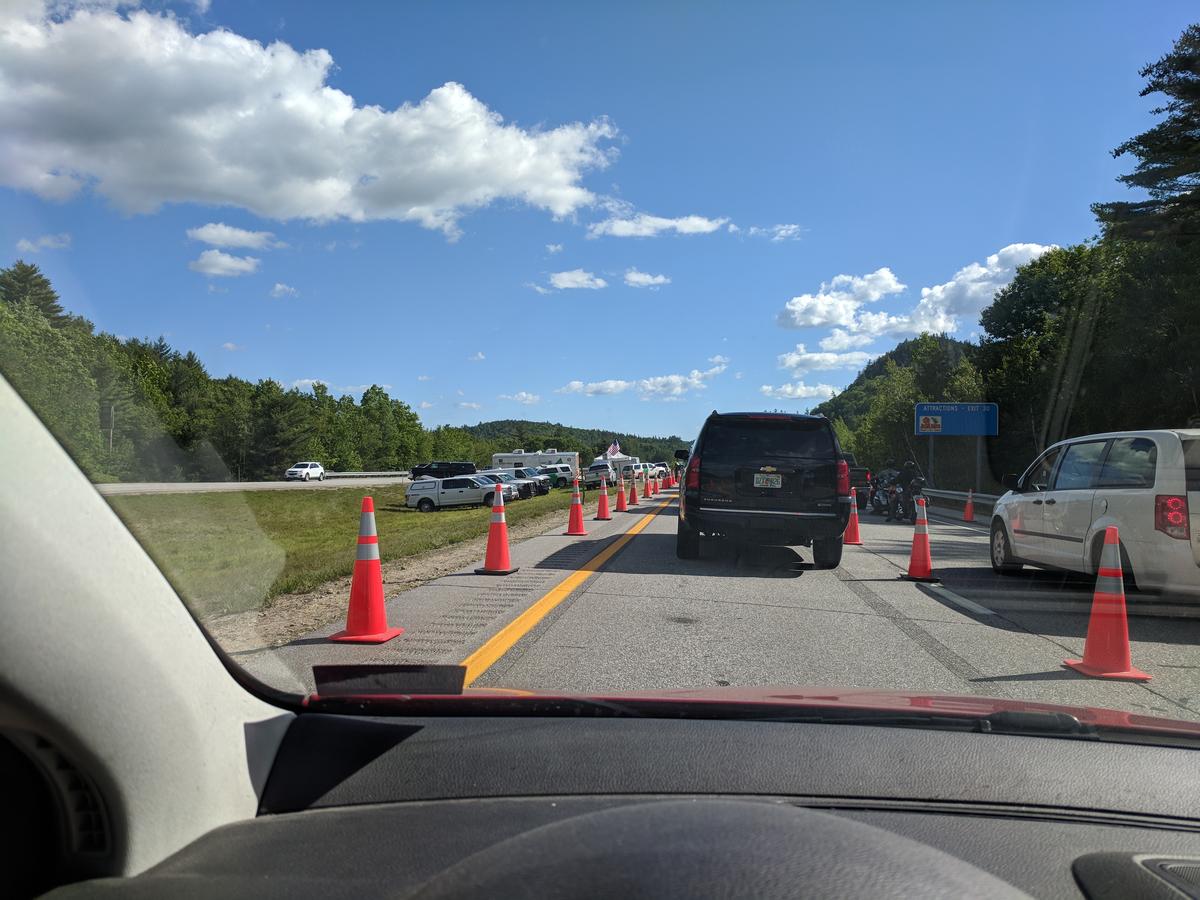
[404, 474]
[959, 498]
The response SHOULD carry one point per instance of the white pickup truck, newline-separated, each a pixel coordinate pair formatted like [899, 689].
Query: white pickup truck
[428, 494]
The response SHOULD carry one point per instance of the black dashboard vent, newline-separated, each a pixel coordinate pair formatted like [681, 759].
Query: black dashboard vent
[84, 814]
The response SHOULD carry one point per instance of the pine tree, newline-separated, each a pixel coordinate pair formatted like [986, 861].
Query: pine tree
[24, 283]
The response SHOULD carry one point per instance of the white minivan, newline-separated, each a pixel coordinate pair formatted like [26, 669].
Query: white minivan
[1147, 483]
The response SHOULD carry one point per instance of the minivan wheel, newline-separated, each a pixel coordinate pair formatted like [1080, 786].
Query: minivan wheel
[1002, 559]
[827, 552]
[425, 505]
[1128, 576]
[687, 541]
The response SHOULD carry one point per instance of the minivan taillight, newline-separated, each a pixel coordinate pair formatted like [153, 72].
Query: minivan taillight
[692, 479]
[843, 478]
[1171, 516]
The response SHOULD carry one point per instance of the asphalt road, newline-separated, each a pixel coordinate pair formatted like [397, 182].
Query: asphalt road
[200, 487]
[764, 616]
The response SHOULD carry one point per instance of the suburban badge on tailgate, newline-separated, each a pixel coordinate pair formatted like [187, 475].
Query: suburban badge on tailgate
[767, 469]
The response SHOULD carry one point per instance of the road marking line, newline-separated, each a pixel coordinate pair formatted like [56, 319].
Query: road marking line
[969, 605]
[503, 640]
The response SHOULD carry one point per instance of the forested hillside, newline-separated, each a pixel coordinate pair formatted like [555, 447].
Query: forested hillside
[140, 410]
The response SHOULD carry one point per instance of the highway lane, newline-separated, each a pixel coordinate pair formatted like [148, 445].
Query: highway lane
[764, 616]
[200, 487]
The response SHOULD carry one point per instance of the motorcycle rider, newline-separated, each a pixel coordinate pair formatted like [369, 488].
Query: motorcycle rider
[901, 505]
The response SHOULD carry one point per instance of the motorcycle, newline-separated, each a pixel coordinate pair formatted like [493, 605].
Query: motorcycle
[878, 497]
[903, 505]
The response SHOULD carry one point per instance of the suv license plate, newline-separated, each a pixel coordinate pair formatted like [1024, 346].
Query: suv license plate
[768, 481]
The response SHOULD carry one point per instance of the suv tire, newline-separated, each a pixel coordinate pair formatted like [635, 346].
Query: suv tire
[425, 505]
[827, 552]
[1001, 553]
[489, 500]
[687, 541]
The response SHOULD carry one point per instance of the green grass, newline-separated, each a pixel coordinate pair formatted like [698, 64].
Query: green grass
[231, 552]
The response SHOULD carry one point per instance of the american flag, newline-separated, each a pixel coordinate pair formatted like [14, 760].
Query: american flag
[613, 449]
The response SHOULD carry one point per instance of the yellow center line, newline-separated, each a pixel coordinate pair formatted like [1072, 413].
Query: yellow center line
[502, 641]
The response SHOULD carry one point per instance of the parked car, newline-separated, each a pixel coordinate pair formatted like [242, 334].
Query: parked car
[541, 482]
[526, 487]
[305, 471]
[860, 480]
[767, 479]
[429, 494]
[561, 474]
[443, 469]
[512, 490]
[1147, 483]
[660, 469]
[596, 471]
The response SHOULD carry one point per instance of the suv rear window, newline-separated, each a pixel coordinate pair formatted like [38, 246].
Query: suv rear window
[787, 438]
[1191, 463]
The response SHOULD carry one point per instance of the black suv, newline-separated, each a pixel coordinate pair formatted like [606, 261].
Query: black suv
[768, 479]
[442, 469]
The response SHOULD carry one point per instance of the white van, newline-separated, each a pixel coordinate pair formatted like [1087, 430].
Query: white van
[1147, 483]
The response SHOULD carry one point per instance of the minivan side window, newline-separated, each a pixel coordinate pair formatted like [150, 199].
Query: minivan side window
[1037, 477]
[1130, 463]
[1080, 466]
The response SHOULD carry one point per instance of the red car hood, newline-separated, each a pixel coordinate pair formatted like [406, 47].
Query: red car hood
[709, 702]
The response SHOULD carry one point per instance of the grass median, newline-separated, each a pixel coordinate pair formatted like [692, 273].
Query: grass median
[233, 552]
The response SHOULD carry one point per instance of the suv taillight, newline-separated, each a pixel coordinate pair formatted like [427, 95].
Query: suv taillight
[692, 478]
[1171, 516]
[843, 478]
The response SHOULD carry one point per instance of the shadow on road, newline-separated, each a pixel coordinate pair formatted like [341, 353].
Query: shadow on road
[654, 554]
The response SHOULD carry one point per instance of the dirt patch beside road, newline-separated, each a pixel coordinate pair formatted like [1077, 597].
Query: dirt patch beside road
[292, 615]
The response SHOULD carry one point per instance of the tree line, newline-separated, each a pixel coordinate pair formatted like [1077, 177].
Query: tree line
[140, 410]
[1095, 337]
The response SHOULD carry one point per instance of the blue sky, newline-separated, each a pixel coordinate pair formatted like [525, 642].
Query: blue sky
[836, 176]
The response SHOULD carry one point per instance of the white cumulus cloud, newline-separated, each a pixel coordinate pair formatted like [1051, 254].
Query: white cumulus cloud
[799, 391]
[801, 360]
[218, 234]
[44, 242]
[838, 300]
[623, 221]
[301, 384]
[425, 404]
[230, 345]
[424, 378]
[554, 248]
[944, 307]
[136, 107]
[840, 339]
[634, 278]
[577, 278]
[468, 404]
[217, 263]
[719, 360]
[284, 290]
[656, 387]
[477, 356]
[522, 397]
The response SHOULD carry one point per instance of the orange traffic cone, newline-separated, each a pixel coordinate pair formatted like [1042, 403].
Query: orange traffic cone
[969, 509]
[366, 619]
[852, 536]
[621, 507]
[920, 563]
[575, 520]
[495, 560]
[602, 513]
[1106, 649]
[650, 491]
[633, 500]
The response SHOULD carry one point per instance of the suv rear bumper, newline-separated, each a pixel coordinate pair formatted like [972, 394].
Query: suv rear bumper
[779, 528]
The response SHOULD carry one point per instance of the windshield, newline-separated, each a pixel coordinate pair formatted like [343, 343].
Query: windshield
[961, 247]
